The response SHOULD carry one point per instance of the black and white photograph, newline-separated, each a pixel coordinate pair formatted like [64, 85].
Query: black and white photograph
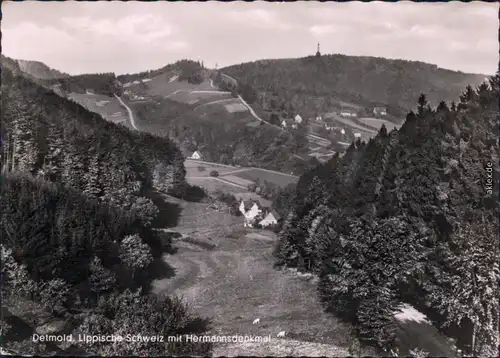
[250, 178]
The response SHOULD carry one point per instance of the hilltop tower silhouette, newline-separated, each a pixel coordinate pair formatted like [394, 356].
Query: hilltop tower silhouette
[318, 54]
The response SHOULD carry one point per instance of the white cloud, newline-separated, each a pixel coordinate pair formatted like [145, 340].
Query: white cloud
[458, 46]
[259, 18]
[487, 46]
[424, 31]
[320, 30]
[38, 38]
[132, 28]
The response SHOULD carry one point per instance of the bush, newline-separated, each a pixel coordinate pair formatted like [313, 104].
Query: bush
[194, 193]
[214, 173]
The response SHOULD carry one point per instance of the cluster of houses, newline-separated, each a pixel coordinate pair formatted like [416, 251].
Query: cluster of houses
[132, 96]
[292, 123]
[257, 215]
[352, 113]
[128, 84]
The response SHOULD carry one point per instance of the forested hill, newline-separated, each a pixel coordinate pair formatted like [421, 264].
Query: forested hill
[39, 73]
[78, 248]
[322, 84]
[409, 217]
[40, 70]
[61, 141]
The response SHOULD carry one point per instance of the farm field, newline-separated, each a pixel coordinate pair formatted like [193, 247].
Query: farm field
[212, 185]
[192, 168]
[238, 175]
[219, 112]
[262, 175]
[236, 179]
[108, 107]
[187, 96]
[236, 107]
[160, 86]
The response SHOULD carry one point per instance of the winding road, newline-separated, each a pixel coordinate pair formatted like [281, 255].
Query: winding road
[129, 111]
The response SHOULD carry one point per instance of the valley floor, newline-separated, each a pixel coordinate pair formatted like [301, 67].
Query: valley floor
[235, 283]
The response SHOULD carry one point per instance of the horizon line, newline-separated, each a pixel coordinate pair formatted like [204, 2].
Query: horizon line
[252, 61]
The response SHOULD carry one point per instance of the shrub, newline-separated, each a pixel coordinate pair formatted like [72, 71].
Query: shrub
[214, 173]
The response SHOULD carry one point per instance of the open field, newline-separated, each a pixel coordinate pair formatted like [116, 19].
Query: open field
[192, 168]
[236, 107]
[236, 174]
[276, 178]
[108, 107]
[237, 179]
[235, 282]
[190, 97]
[219, 112]
[161, 85]
[353, 125]
[212, 184]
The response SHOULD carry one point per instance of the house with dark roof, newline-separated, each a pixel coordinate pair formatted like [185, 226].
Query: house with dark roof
[252, 210]
[271, 218]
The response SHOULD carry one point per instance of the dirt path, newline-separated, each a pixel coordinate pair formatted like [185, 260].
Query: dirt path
[129, 111]
[235, 283]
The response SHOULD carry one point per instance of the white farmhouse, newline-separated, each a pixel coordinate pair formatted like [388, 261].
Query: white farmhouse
[251, 210]
[271, 218]
[196, 155]
[298, 119]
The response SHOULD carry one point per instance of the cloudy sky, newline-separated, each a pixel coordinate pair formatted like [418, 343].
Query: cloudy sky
[128, 37]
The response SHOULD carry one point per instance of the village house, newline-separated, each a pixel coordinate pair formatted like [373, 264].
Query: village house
[298, 119]
[251, 211]
[254, 213]
[289, 124]
[357, 135]
[380, 111]
[196, 155]
[272, 218]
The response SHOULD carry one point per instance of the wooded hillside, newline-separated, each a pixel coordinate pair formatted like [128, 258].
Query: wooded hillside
[78, 248]
[409, 217]
[309, 85]
[60, 140]
[221, 138]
